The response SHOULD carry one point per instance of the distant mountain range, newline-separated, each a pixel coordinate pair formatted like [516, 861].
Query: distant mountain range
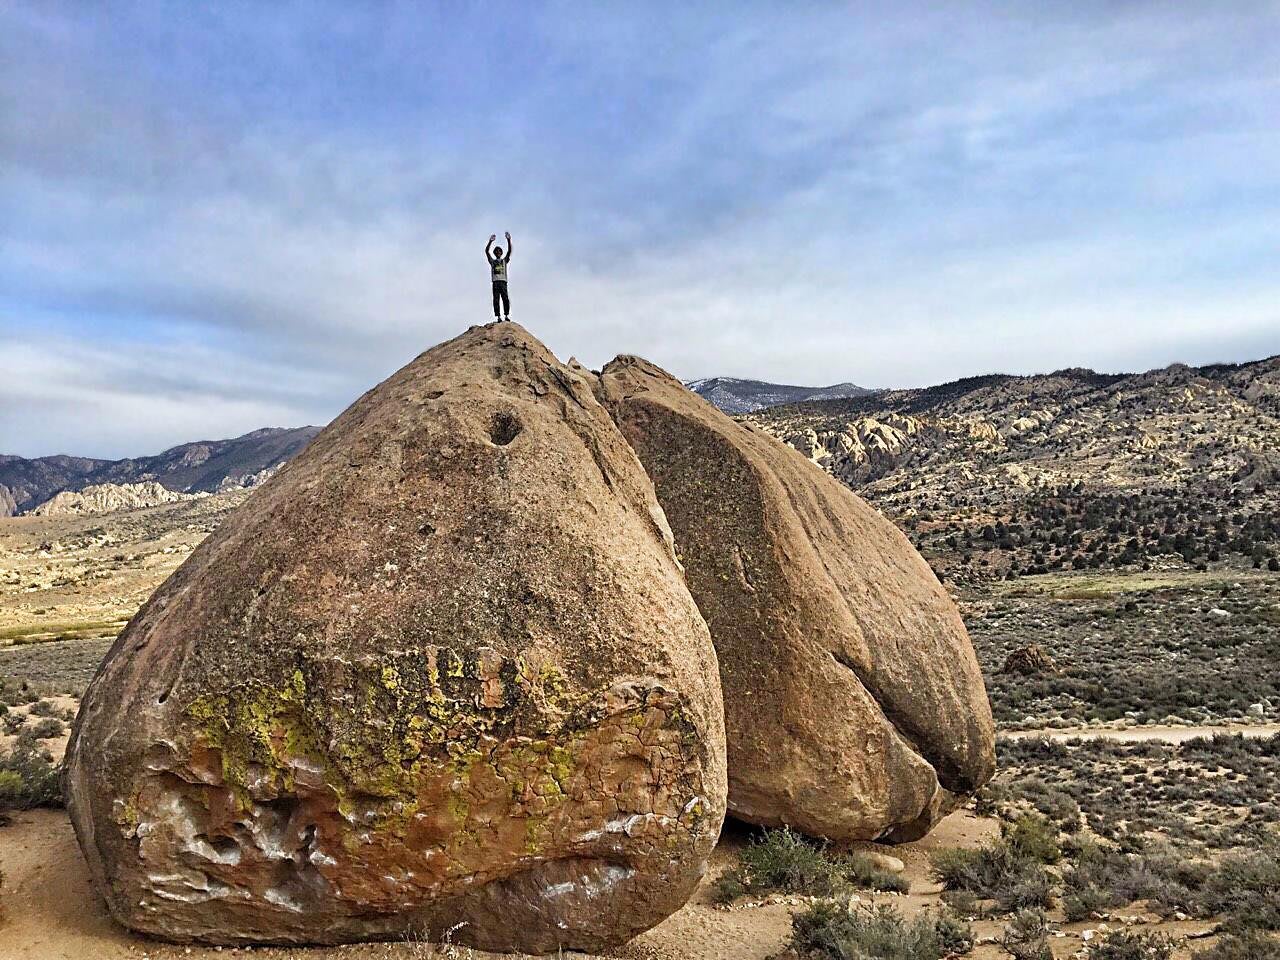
[747, 396]
[993, 435]
[1067, 469]
[979, 444]
[204, 466]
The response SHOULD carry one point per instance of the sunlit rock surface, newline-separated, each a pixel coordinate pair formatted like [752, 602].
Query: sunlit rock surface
[854, 705]
[440, 673]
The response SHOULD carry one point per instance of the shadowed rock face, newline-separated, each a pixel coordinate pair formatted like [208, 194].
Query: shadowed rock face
[439, 673]
[854, 706]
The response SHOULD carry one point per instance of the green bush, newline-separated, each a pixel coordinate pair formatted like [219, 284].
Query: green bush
[1245, 888]
[998, 798]
[1026, 925]
[861, 871]
[1084, 902]
[832, 931]
[996, 872]
[1032, 835]
[1251, 945]
[1026, 937]
[16, 693]
[1103, 877]
[1029, 950]
[782, 860]
[1123, 945]
[47, 729]
[954, 933]
[28, 778]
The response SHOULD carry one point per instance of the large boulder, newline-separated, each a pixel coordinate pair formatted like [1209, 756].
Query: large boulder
[854, 706]
[441, 674]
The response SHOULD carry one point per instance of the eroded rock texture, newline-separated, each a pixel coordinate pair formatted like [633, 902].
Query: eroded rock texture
[440, 673]
[854, 706]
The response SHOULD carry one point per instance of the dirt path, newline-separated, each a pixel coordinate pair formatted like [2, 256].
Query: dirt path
[1137, 734]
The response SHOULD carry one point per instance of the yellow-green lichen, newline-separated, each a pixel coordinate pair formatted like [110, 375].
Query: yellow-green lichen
[392, 730]
[477, 750]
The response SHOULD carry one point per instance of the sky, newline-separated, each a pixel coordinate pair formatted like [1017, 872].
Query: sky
[218, 217]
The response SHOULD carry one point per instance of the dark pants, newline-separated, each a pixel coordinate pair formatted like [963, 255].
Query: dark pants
[500, 298]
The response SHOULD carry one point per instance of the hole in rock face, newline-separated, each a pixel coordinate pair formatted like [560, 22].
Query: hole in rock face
[225, 846]
[504, 428]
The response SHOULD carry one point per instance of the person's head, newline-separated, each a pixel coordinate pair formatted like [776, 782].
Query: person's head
[497, 251]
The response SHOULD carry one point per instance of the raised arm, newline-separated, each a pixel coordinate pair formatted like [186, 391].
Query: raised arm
[507, 258]
[489, 243]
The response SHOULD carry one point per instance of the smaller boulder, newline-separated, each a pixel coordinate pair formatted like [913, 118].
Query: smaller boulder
[854, 705]
[882, 861]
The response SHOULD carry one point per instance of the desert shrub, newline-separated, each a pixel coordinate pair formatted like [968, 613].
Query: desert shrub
[785, 861]
[16, 693]
[47, 729]
[1251, 945]
[1026, 925]
[1083, 903]
[954, 933]
[1245, 888]
[1190, 793]
[1123, 945]
[831, 931]
[13, 722]
[1032, 835]
[1031, 950]
[1056, 804]
[43, 708]
[729, 887]
[861, 871]
[1105, 876]
[964, 904]
[1000, 798]
[28, 778]
[25, 693]
[1026, 936]
[997, 872]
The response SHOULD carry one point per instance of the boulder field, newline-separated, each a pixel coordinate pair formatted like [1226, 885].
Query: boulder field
[445, 673]
[441, 674]
[854, 704]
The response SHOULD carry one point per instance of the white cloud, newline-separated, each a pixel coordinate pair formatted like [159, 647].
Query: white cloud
[806, 196]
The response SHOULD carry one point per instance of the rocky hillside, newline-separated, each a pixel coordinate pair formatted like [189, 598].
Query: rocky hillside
[204, 466]
[747, 396]
[109, 497]
[1072, 468]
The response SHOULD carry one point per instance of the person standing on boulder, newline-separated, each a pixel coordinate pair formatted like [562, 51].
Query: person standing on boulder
[498, 271]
